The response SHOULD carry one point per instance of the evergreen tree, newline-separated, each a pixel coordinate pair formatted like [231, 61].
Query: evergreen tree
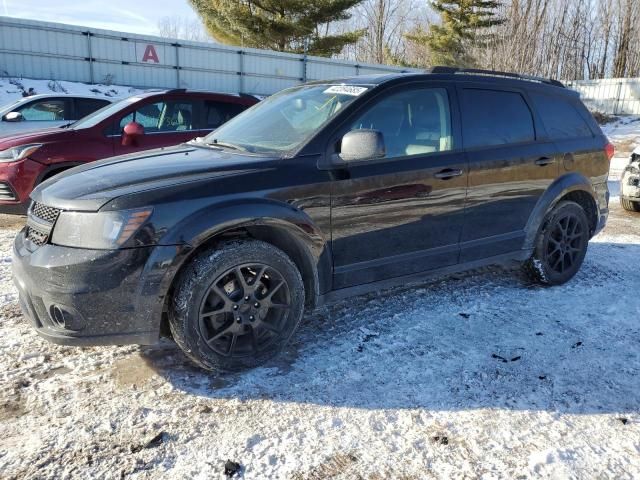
[463, 22]
[282, 25]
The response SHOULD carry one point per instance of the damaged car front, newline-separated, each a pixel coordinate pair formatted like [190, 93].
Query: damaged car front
[630, 183]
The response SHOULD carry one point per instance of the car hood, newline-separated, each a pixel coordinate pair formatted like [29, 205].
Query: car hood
[89, 187]
[33, 136]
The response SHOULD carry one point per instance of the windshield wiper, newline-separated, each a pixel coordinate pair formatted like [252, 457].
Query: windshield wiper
[231, 146]
[66, 125]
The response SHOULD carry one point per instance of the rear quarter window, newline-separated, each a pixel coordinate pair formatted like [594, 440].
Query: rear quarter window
[560, 117]
[494, 117]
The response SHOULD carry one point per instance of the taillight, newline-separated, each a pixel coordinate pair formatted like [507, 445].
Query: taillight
[609, 149]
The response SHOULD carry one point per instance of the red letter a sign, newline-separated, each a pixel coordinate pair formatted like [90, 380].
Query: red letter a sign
[150, 54]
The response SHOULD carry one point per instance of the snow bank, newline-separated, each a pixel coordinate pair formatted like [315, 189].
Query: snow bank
[11, 89]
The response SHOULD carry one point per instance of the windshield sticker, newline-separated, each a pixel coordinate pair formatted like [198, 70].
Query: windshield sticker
[352, 90]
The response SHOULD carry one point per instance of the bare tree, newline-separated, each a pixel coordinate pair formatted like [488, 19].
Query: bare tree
[183, 28]
[568, 39]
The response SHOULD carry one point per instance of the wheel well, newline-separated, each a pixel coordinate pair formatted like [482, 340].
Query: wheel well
[277, 237]
[54, 171]
[588, 204]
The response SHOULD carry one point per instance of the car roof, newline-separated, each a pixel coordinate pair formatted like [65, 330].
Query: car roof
[236, 97]
[63, 95]
[30, 98]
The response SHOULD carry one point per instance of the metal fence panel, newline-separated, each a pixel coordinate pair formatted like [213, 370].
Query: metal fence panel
[613, 96]
[45, 50]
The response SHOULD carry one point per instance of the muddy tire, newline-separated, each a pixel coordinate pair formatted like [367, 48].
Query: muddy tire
[236, 305]
[630, 205]
[561, 245]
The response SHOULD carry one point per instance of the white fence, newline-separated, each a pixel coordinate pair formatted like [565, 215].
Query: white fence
[44, 50]
[617, 96]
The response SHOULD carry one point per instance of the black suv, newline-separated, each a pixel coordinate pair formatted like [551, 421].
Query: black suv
[322, 191]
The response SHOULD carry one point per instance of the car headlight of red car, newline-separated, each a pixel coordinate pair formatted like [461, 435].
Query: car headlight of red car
[14, 154]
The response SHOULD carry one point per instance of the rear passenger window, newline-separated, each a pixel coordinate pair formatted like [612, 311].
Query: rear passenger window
[219, 113]
[492, 117]
[560, 117]
[85, 106]
[413, 122]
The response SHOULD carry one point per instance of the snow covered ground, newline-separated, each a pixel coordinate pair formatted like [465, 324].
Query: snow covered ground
[480, 375]
[11, 88]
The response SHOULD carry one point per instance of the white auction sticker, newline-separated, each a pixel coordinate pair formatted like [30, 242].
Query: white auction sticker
[346, 90]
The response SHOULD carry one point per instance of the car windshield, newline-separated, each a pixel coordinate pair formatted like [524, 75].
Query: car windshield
[7, 107]
[104, 113]
[283, 122]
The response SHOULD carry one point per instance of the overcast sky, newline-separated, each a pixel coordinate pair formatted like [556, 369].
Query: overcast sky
[135, 16]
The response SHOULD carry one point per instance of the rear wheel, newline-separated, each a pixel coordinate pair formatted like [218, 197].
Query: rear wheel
[561, 245]
[630, 205]
[237, 305]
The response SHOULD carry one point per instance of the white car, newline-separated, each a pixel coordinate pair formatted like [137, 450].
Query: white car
[630, 183]
[45, 111]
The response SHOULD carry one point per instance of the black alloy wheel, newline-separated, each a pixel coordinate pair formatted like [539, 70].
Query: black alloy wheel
[236, 305]
[244, 310]
[565, 242]
[561, 245]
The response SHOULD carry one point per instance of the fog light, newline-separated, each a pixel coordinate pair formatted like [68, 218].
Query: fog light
[58, 316]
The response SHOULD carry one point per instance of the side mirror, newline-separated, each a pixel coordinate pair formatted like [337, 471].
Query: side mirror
[362, 145]
[131, 133]
[13, 117]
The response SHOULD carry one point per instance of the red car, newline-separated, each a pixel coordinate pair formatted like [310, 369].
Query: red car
[142, 122]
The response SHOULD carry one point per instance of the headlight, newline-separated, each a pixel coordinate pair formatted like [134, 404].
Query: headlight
[101, 230]
[14, 154]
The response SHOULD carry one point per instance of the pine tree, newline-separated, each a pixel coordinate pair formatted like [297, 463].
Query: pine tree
[463, 22]
[282, 25]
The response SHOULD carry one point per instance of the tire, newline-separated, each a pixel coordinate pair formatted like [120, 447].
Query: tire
[561, 245]
[236, 305]
[630, 205]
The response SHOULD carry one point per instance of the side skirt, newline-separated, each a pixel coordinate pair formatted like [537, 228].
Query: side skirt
[420, 277]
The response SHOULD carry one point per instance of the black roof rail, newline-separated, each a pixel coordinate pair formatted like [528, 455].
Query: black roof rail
[495, 73]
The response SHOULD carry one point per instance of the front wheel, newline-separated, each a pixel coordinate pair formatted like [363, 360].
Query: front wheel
[236, 305]
[561, 245]
[630, 205]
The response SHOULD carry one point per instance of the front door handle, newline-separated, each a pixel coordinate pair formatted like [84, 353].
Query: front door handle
[448, 173]
[542, 161]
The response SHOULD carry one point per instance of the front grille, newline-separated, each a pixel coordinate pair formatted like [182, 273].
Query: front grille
[6, 192]
[48, 214]
[40, 223]
[36, 236]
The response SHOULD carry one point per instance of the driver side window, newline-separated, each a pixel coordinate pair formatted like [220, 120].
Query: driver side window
[162, 117]
[414, 122]
[45, 110]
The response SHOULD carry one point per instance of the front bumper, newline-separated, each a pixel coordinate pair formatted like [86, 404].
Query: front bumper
[17, 179]
[77, 296]
[630, 182]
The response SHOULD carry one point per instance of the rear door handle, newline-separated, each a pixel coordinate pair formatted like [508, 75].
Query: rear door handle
[448, 173]
[542, 161]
